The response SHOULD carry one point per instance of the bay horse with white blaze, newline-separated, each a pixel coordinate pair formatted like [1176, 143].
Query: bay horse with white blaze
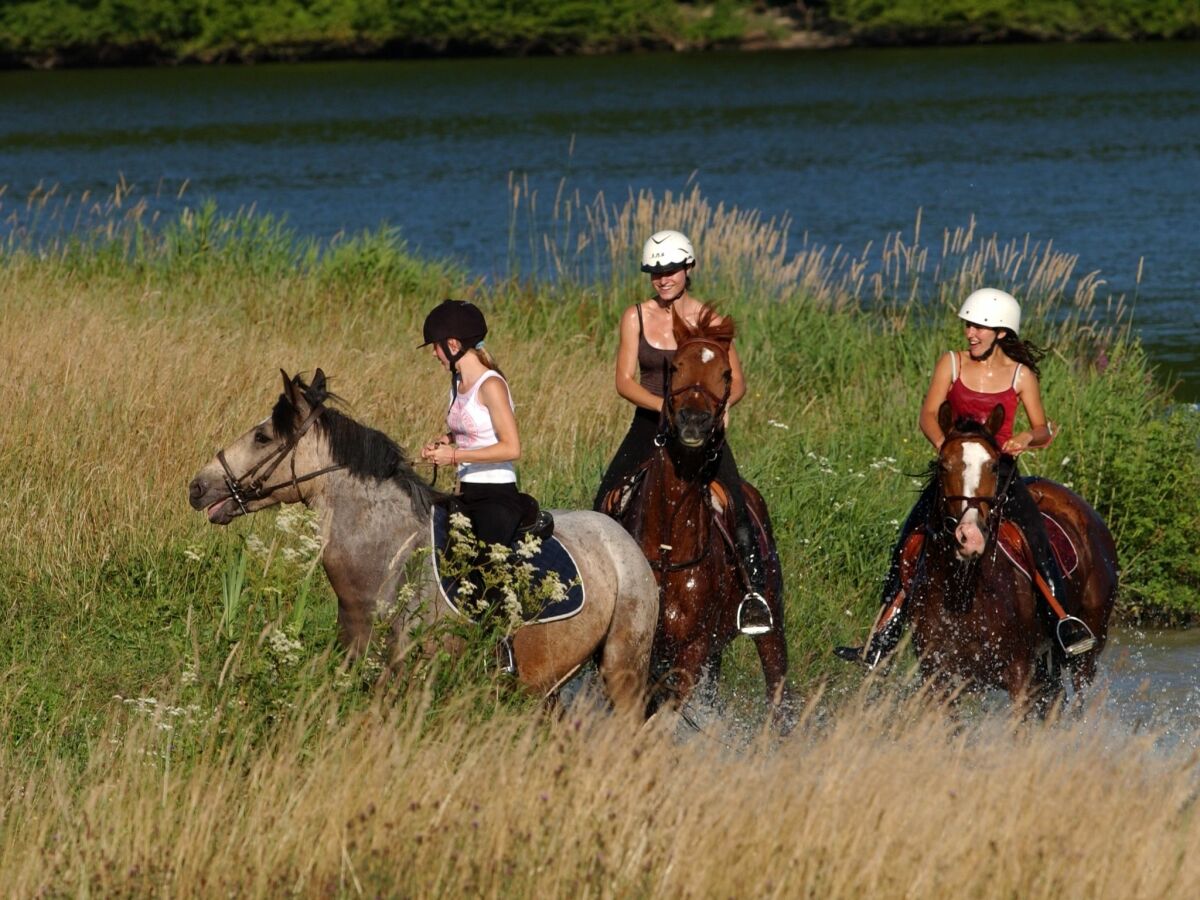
[375, 514]
[684, 521]
[978, 617]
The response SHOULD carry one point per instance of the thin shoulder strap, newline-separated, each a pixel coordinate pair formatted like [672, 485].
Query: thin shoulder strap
[641, 327]
[953, 366]
[1016, 375]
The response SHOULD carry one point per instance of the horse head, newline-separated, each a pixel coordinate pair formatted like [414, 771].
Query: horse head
[267, 464]
[968, 478]
[698, 380]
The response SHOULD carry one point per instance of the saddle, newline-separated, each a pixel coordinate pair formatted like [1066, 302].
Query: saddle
[550, 557]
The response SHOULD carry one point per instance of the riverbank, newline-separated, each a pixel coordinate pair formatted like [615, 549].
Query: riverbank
[133, 349]
[74, 33]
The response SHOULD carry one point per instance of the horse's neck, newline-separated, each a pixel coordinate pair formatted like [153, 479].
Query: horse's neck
[674, 489]
[370, 530]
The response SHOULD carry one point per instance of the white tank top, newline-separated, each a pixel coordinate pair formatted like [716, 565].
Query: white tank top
[471, 424]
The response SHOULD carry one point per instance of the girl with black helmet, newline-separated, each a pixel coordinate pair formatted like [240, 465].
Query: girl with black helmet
[482, 441]
[997, 368]
[647, 344]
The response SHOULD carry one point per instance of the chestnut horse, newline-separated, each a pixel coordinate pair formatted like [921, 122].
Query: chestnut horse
[685, 523]
[976, 617]
[375, 515]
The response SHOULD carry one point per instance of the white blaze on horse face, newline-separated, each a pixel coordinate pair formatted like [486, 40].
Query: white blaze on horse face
[969, 534]
[707, 356]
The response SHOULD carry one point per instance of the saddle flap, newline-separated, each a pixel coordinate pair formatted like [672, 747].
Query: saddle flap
[550, 557]
[1016, 548]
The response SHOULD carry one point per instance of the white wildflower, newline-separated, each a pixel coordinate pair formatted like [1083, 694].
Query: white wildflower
[190, 676]
[459, 522]
[777, 424]
[1066, 461]
[286, 649]
[255, 546]
[466, 588]
[528, 546]
[291, 554]
[193, 553]
[498, 553]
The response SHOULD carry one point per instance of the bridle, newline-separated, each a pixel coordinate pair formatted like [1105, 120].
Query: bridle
[994, 502]
[668, 408]
[244, 491]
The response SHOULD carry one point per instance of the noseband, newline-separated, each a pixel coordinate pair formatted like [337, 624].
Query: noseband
[255, 489]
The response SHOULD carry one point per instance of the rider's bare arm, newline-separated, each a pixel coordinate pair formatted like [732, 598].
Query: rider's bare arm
[939, 387]
[1039, 434]
[628, 385]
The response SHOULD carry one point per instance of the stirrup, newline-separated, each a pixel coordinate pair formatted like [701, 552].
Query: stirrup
[753, 623]
[1077, 647]
[506, 659]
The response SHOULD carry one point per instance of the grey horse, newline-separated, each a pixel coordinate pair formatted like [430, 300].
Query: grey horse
[374, 513]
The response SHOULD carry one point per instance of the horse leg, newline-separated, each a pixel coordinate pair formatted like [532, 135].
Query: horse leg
[772, 655]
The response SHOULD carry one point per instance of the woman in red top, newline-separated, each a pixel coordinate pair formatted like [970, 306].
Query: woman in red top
[996, 368]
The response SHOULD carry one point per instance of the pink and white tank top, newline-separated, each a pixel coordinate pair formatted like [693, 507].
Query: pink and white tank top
[471, 424]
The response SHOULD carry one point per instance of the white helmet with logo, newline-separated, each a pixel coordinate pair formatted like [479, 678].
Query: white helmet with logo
[992, 308]
[666, 251]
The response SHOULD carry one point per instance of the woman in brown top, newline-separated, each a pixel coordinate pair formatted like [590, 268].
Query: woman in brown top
[647, 344]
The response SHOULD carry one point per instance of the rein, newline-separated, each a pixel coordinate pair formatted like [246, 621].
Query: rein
[256, 489]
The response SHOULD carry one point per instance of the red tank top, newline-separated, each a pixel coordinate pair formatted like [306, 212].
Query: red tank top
[978, 405]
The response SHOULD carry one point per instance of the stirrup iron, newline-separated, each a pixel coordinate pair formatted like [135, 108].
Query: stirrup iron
[506, 658]
[754, 625]
[1080, 646]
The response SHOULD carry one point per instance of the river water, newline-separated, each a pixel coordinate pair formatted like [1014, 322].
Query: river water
[1096, 147]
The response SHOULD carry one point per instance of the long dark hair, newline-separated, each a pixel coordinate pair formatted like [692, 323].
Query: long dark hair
[1021, 351]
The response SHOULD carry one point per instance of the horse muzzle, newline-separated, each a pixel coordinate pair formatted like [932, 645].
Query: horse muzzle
[970, 539]
[694, 427]
[219, 505]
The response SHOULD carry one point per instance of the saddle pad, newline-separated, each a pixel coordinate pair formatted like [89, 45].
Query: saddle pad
[1060, 543]
[552, 556]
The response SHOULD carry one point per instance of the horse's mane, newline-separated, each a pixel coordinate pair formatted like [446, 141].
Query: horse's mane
[365, 452]
[971, 428]
[706, 328]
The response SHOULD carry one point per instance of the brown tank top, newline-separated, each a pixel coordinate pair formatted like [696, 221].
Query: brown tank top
[651, 360]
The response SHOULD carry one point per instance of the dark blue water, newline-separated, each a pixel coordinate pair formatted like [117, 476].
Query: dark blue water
[1094, 147]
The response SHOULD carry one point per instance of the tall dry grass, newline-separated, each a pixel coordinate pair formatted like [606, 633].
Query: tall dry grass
[889, 799]
[131, 353]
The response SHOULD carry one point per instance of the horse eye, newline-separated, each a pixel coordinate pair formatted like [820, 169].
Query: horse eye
[261, 437]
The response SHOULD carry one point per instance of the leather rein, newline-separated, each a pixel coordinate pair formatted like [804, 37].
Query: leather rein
[251, 485]
[711, 446]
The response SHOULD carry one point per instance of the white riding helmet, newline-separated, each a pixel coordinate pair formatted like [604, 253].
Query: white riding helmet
[667, 250]
[992, 308]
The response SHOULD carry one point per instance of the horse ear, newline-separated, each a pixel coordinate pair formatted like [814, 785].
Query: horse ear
[995, 420]
[317, 393]
[289, 388]
[682, 330]
[945, 417]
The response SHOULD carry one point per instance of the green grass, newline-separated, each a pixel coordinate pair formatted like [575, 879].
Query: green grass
[133, 350]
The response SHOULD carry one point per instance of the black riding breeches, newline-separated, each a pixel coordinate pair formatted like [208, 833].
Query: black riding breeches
[494, 510]
[635, 449]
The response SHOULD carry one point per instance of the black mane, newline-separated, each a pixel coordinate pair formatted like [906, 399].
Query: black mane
[365, 452]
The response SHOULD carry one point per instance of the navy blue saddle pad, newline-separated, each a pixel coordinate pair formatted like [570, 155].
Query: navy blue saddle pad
[552, 556]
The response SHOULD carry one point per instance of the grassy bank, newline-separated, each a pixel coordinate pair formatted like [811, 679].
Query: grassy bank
[175, 711]
[48, 33]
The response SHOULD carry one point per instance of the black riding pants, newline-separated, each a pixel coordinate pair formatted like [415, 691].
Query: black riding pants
[494, 510]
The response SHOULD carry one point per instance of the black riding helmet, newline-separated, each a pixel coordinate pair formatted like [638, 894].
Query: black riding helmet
[458, 319]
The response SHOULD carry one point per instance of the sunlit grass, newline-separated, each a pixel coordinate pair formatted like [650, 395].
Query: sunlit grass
[134, 348]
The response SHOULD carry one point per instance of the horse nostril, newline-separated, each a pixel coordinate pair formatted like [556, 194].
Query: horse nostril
[195, 490]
